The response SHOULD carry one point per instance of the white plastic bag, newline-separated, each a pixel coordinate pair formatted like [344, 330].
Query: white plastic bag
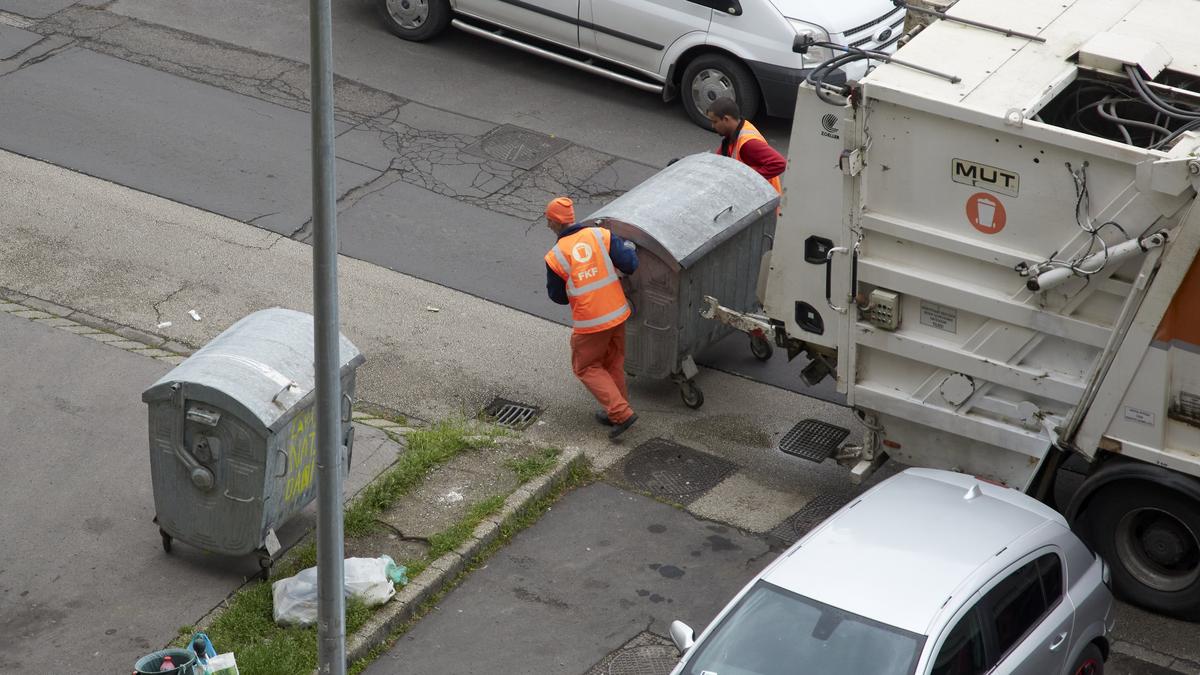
[295, 598]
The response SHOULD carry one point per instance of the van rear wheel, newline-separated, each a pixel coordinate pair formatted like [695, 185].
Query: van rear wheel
[1150, 537]
[416, 20]
[713, 76]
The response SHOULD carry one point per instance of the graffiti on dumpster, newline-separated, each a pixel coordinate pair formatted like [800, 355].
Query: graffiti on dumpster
[302, 455]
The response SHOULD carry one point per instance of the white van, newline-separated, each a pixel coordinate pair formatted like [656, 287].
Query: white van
[698, 50]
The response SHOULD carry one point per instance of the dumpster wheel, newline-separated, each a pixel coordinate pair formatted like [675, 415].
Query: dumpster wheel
[691, 394]
[761, 347]
[264, 564]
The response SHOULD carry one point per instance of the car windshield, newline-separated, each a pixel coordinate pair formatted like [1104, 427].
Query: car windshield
[775, 632]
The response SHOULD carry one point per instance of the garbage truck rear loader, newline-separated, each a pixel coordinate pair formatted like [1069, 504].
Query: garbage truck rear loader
[993, 248]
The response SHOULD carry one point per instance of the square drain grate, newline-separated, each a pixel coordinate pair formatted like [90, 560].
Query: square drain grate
[645, 654]
[813, 440]
[814, 512]
[518, 147]
[510, 414]
[674, 472]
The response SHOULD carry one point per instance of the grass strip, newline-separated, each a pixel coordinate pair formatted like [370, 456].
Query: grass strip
[247, 626]
[427, 449]
[529, 468]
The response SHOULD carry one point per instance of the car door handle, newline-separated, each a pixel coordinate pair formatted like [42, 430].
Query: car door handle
[1058, 641]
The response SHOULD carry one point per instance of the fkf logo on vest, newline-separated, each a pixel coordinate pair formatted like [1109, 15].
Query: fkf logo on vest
[582, 253]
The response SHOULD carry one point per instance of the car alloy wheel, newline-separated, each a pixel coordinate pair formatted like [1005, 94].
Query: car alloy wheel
[709, 85]
[409, 13]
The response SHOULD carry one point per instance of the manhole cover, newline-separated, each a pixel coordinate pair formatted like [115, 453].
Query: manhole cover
[645, 654]
[510, 414]
[674, 471]
[519, 147]
[814, 512]
[813, 440]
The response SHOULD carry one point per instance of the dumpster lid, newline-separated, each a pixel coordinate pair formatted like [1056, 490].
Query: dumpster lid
[690, 207]
[263, 364]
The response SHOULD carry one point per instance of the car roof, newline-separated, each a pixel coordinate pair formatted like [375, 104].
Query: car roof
[899, 552]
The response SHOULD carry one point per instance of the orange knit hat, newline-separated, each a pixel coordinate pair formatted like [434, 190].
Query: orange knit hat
[561, 210]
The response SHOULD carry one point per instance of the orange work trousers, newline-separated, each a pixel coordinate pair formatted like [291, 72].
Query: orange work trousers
[598, 360]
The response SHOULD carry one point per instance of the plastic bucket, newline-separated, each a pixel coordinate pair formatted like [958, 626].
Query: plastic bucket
[151, 664]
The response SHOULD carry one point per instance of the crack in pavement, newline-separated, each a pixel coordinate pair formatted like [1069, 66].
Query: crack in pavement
[22, 52]
[33, 61]
[381, 124]
[158, 317]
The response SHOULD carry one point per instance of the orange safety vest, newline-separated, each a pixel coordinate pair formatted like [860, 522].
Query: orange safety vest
[593, 288]
[750, 132]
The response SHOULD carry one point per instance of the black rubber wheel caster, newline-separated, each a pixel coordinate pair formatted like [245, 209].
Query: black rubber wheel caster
[761, 348]
[691, 395]
[264, 564]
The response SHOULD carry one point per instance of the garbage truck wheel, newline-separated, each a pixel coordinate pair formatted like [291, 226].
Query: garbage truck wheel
[761, 348]
[691, 395]
[166, 540]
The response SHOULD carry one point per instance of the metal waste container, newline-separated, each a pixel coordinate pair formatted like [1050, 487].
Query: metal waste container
[232, 435]
[701, 226]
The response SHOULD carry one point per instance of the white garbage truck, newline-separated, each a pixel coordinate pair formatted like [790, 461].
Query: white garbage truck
[991, 242]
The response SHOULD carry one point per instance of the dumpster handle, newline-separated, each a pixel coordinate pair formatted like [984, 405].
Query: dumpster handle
[346, 416]
[201, 476]
[727, 209]
[285, 464]
[238, 499]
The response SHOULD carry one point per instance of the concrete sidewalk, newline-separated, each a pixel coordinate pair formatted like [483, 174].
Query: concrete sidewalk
[84, 583]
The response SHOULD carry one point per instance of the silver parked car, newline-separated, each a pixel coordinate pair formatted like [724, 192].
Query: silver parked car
[694, 50]
[930, 572]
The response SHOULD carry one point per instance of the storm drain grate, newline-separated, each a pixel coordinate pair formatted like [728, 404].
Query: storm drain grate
[813, 440]
[510, 414]
[674, 472]
[518, 147]
[645, 654]
[814, 512]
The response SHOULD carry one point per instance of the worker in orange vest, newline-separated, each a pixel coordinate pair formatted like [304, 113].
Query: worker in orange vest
[743, 142]
[581, 270]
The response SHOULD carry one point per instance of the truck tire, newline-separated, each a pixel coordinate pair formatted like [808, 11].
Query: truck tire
[416, 20]
[1150, 537]
[712, 76]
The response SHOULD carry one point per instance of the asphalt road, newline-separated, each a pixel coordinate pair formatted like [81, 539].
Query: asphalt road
[225, 129]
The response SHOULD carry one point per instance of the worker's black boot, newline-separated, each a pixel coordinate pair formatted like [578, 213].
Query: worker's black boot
[619, 429]
[602, 418]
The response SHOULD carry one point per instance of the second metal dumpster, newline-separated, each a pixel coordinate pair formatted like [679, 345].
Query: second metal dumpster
[701, 226]
[233, 434]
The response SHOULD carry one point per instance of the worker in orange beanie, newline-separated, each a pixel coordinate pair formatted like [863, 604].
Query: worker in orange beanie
[581, 271]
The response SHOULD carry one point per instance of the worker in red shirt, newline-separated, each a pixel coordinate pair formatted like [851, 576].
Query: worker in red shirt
[743, 142]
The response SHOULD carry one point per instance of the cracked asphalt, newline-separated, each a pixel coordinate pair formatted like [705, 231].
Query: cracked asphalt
[224, 128]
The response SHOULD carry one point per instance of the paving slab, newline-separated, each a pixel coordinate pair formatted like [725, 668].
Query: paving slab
[599, 568]
[84, 583]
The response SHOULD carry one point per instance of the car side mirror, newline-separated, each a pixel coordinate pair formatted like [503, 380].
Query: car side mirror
[682, 635]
